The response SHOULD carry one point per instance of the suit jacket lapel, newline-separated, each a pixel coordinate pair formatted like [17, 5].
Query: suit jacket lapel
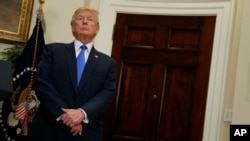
[89, 67]
[71, 62]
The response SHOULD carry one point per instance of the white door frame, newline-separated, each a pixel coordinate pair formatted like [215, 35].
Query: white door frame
[224, 14]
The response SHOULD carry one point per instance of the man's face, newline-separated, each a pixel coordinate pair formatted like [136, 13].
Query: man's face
[85, 24]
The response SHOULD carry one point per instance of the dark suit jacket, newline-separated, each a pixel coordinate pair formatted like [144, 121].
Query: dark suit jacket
[56, 88]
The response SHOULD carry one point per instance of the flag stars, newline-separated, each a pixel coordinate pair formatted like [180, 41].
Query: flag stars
[23, 72]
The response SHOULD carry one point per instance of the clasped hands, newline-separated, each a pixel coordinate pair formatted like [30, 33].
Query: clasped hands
[73, 118]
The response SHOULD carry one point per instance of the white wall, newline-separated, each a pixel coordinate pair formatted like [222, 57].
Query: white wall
[241, 107]
[58, 14]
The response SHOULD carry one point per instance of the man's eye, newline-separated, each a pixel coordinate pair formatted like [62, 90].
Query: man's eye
[79, 18]
[90, 19]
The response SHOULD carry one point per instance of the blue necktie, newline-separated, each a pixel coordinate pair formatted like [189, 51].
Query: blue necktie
[80, 63]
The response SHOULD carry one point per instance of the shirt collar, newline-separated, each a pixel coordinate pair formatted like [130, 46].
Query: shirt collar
[78, 44]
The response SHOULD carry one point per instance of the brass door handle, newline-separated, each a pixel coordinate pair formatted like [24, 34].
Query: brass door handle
[154, 96]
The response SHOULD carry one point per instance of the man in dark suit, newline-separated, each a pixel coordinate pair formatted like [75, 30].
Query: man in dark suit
[70, 111]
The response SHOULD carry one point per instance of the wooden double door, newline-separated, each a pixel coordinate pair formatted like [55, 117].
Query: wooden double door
[162, 65]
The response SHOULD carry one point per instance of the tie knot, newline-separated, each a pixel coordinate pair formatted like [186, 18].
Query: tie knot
[83, 47]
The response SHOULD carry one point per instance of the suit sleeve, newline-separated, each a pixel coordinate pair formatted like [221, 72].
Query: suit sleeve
[96, 106]
[46, 93]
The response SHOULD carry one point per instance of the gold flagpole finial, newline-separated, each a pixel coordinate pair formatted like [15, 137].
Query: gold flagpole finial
[41, 3]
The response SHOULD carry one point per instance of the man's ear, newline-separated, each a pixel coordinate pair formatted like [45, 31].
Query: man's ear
[96, 31]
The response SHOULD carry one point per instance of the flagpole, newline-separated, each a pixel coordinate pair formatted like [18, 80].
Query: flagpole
[40, 18]
[41, 3]
[24, 122]
[40, 14]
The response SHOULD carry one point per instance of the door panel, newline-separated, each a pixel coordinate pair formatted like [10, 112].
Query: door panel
[176, 104]
[162, 68]
[131, 105]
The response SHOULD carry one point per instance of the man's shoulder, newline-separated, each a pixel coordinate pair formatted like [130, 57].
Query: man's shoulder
[57, 44]
[105, 57]
[101, 53]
